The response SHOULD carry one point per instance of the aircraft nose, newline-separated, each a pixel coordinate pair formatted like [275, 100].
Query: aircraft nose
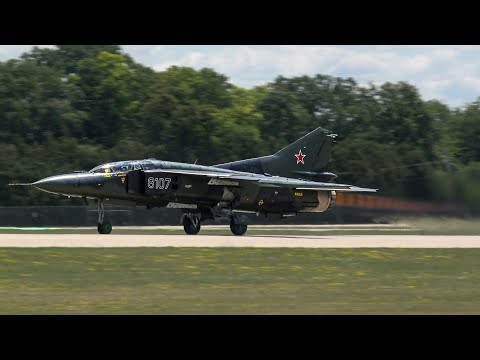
[60, 184]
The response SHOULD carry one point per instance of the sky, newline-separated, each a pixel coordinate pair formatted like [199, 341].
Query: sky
[448, 73]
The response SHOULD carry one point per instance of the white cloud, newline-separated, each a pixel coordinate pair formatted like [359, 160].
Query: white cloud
[472, 82]
[446, 53]
[285, 60]
[436, 70]
[434, 89]
[157, 50]
[357, 62]
[417, 63]
[436, 85]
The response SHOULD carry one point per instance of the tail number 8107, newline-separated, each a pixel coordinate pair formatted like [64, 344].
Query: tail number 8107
[159, 183]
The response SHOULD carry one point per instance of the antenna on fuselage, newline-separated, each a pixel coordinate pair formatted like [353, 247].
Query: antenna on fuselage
[195, 163]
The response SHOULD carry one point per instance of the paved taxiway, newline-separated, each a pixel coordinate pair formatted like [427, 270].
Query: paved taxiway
[290, 241]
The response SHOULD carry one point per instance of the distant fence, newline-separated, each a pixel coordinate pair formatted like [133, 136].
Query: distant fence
[43, 216]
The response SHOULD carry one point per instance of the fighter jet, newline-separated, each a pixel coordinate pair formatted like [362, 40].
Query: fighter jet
[287, 183]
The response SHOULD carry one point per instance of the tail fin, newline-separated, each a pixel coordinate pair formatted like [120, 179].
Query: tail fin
[303, 158]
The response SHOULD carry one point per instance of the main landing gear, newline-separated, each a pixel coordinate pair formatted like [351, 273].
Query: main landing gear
[191, 223]
[237, 229]
[102, 226]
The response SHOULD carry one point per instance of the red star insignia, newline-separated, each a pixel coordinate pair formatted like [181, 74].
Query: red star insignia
[300, 157]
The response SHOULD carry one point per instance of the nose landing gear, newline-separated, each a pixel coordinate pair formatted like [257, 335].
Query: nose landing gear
[105, 228]
[102, 226]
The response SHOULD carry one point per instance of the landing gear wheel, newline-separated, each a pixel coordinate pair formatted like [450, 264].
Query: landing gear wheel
[105, 228]
[191, 225]
[238, 229]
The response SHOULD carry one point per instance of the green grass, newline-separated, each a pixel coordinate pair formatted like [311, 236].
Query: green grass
[239, 281]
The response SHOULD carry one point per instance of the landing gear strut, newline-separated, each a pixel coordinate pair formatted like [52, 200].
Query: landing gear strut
[191, 224]
[102, 227]
[238, 221]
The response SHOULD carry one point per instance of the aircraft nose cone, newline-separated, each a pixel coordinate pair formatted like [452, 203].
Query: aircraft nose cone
[60, 184]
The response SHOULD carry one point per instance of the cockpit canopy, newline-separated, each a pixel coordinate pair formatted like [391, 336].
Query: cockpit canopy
[123, 166]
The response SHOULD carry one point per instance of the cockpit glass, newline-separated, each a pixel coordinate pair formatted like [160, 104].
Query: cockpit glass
[147, 165]
[107, 168]
[123, 166]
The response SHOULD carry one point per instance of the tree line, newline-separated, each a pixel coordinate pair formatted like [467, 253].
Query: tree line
[73, 107]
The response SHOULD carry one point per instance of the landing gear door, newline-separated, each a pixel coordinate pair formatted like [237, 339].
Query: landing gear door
[136, 182]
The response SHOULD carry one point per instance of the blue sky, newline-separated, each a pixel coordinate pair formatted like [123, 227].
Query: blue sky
[445, 72]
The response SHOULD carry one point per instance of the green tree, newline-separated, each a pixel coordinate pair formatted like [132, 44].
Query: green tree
[205, 86]
[36, 103]
[66, 57]
[466, 128]
[235, 130]
[114, 87]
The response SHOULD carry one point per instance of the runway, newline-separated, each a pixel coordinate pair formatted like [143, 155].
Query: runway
[260, 241]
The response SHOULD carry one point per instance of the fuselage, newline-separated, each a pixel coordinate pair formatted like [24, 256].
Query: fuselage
[154, 183]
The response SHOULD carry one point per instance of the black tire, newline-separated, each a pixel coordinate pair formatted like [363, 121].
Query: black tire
[105, 228]
[238, 229]
[189, 228]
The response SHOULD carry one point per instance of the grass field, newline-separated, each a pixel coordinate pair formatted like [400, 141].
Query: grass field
[239, 281]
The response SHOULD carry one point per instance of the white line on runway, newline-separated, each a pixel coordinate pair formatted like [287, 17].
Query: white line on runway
[340, 241]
